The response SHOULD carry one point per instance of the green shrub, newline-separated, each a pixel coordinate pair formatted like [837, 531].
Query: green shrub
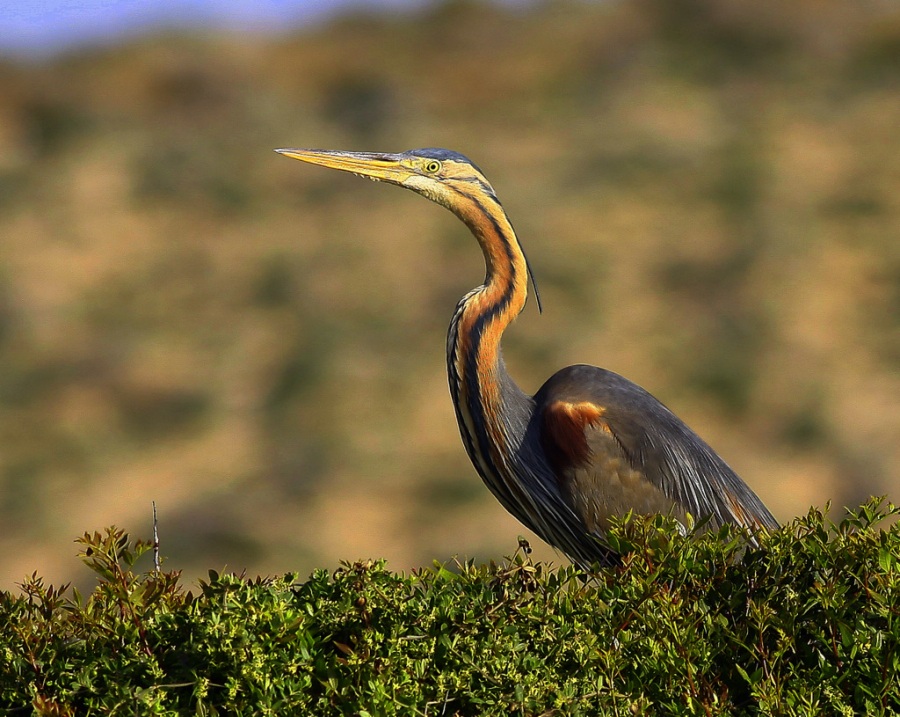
[807, 623]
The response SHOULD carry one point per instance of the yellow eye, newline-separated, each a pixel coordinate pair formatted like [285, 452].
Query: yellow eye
[432, 166]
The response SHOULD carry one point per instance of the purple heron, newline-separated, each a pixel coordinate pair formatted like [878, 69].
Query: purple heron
[589, 444]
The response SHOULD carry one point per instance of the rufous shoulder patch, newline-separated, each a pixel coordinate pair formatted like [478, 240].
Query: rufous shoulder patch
[564, 424]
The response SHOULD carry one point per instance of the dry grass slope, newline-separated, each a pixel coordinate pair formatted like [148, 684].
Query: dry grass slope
[710, 197]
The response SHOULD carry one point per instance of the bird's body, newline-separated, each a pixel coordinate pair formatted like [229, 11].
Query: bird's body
[590, 444]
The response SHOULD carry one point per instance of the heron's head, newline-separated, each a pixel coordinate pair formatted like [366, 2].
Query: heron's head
[445, 177]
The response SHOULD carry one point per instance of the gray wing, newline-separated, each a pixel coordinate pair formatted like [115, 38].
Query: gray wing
[615, 448]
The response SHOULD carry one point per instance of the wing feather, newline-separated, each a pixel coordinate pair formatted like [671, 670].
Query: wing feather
[614, 448]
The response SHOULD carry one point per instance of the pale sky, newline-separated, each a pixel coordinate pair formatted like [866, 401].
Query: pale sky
[34, 28]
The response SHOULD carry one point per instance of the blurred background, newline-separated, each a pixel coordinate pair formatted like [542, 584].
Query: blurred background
[708, 190]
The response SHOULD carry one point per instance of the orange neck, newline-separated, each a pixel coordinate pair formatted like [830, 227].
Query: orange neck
[483, 392]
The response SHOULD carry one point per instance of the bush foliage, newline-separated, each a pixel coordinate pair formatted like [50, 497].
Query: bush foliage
[806, 623]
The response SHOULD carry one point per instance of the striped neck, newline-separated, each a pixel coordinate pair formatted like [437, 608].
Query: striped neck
[491, 410]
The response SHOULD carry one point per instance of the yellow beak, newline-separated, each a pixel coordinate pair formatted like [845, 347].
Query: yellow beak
[372, 165]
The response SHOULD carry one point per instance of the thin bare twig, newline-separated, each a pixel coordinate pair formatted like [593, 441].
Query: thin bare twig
[155, 539]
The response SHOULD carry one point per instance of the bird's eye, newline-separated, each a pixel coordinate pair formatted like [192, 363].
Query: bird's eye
[432, 166]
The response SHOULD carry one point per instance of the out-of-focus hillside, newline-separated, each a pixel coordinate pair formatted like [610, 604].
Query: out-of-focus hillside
[709, 192]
